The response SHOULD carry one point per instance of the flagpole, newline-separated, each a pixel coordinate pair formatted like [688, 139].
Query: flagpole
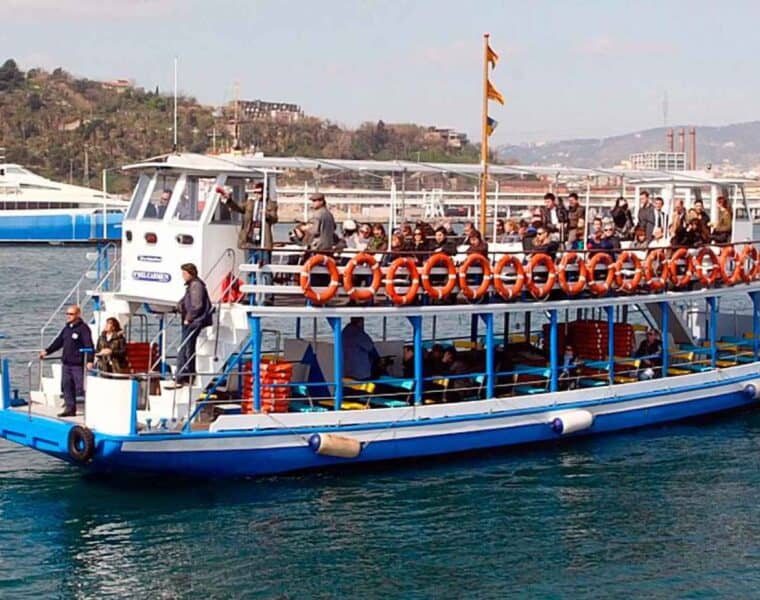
[484, 142]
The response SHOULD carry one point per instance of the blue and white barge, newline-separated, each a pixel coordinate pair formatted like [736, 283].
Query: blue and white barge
[271, 393]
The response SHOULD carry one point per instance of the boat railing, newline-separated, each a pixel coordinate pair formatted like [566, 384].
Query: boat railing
[631, 270]
[93, 270]
[178, 342]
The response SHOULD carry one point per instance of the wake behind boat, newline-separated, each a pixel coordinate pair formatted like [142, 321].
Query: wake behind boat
[534, 345]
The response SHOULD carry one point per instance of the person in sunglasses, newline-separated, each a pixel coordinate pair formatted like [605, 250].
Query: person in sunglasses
[75, 339]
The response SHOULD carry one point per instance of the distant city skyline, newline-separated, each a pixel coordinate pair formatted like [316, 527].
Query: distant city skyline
[581, 68]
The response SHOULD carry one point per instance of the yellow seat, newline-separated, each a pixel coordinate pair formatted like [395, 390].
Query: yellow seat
[360, 386]
[466, 345]
[672, 371]
[725, 363]
[345, 405]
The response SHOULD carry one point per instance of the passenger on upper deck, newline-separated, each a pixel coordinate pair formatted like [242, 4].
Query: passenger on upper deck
[554, 217]
[640, 241]
[678, 218]
[157, 211]
[721, 231]
[379, 241]
[469, 227]
[476, 243]
[658, 239]
[699, 207]
[622, 218]
[252, 235]
[363, 237]
[660, 217]
[576, 219]
[420, 246]
[359, 352]
[543, 244]
[321, 227]
[442, 243]
[646, 214]
[407, 233]
[610, 240]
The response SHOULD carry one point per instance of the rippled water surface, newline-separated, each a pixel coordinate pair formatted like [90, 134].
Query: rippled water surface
[663, 512]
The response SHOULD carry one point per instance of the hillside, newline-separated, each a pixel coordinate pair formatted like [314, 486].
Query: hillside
[48, 121]
[738, 143]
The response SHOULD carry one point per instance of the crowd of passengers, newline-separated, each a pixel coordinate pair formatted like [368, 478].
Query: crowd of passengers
[362, 362]
[548, 229]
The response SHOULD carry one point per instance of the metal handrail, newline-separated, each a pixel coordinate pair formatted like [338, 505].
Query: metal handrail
[76, 289]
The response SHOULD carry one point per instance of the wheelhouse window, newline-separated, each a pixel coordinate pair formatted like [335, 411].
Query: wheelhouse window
[193, 197]
[138, 196]
[160, 196]
[222, 213]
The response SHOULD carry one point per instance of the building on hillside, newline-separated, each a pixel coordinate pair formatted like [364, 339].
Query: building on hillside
[118, 84]
[659, 160]
[260, 110]
[452, 139]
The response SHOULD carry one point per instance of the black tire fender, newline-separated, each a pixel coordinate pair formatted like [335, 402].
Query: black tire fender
[81, 444]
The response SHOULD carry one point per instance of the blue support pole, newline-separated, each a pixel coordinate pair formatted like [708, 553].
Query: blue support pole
[337, 359]
[664, 308]
[553, 352]
[419, 383]
[490, 357]
[610, 344]
[6, 384]
[133, 407]
[713, 305]
[755, 324]
[255, 325]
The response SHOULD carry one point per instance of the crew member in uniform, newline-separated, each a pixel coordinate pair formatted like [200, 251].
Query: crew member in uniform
[75, 339]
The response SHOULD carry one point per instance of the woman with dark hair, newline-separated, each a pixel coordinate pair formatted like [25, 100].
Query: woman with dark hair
[622, 218]
[420, 246]
[397, 249]
[476, 244]
[721, 231]
[111, 349]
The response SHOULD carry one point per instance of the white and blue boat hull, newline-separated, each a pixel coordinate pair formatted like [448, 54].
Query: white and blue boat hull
[278, 450]
[59, 226]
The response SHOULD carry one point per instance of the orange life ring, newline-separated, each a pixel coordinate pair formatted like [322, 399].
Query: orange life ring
[544, 290]
[699, 269]
[656, 281]
[231, 289]
[362, 294]
[572, 289]
[628, 285]
[409, 264]
[685, 279]
[600, 288]
[485, 265]
[508, 291]
[439, 292]
[749, 252]
[332, 289]
[729, 253]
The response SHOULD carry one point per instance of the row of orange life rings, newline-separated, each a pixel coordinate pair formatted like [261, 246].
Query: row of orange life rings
[628, 274]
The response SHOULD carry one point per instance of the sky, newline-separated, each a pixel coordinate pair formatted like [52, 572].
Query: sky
[568, 69]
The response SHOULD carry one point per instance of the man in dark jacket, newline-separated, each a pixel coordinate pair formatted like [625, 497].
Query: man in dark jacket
[442, 243]
[196, 310]
[74, 339]
[646, 214]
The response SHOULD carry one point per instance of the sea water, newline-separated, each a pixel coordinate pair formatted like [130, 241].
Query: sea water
[662, 512]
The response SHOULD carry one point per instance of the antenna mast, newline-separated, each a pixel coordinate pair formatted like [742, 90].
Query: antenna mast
[174, 145]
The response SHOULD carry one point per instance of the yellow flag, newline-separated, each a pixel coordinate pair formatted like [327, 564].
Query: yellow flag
[494, 94]
[491, 56]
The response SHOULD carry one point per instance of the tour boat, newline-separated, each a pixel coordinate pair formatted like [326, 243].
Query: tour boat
[272, 394]
[34, 209]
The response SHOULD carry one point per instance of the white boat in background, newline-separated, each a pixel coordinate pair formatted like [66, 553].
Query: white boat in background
[34, 209]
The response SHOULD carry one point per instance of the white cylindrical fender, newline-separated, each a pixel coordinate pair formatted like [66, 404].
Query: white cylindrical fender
[328, 444]
[570, 421]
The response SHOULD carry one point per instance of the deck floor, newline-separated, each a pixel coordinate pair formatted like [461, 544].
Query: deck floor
[51, 412]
